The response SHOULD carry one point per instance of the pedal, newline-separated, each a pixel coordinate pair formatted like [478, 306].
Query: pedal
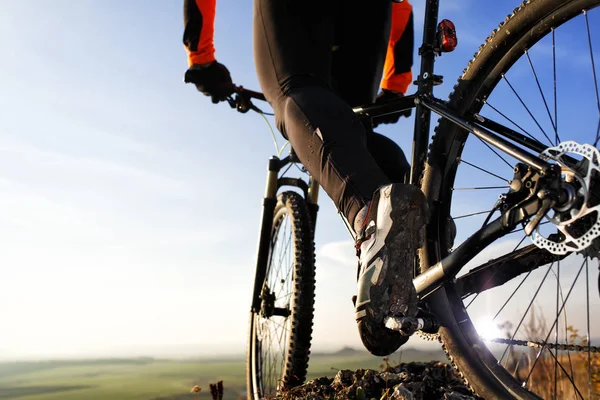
[430, 324]
[407, 326]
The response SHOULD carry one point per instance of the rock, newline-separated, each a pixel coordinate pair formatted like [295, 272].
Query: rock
[457, 396]
[401, 393]
[343, 379]
[392, 379]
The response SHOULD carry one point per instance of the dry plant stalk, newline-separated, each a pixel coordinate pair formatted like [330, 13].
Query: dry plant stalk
[546, 370]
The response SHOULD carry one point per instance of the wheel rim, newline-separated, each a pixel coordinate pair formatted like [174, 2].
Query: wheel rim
[272, 325]
[554, 302]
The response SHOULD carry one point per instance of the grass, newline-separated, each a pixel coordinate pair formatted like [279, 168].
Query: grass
[546, 370]
[146, 378]
[121, 379]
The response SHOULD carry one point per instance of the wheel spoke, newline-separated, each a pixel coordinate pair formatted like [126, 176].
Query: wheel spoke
[472, 214]
[527, 310]
[270, 366]
[495, 152]
[283, 253]
[483, 188]
[589, 35]
[277, 279]
[589, 337]
[497, 269]
[554, 76]
[558, 291]
[288, 281]
[523, 229]
[484, 170]
[512, 122]
[281, 259]
[564, 313]
[527, 109]
[556, 320]
[537, 81]
[497, 272]
[566, 374]
[273, 278]
[512, 295]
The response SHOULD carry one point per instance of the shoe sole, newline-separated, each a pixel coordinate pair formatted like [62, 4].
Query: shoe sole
[393, 295]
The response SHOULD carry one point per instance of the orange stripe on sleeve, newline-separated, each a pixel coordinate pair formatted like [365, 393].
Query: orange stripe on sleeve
[205, 52]
[391, 81]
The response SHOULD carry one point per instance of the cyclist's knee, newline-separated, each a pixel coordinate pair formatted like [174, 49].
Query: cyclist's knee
[300, 82]
[299, 95]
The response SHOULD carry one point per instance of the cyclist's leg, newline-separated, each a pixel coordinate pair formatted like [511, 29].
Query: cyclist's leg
[356, 80]
[389, 156]
[293, 47]
[393, 225]
[293, 43]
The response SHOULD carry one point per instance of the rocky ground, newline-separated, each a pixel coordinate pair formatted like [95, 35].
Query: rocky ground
[410, 381]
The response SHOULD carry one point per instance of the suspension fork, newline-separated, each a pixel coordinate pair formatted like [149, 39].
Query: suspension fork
[312, 201]
[266, 227]
[274, 182]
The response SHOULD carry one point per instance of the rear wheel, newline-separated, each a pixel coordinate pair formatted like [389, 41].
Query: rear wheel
[537, 75]
[280, 332]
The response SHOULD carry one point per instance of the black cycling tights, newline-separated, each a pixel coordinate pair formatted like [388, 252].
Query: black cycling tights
[315, 60]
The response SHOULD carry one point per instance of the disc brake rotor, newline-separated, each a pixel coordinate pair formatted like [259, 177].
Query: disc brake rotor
[577, 219]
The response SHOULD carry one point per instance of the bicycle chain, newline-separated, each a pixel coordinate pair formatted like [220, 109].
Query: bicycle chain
[553, 346]
[525, 343]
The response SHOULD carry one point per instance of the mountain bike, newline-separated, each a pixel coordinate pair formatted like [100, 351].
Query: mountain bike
[520, 130]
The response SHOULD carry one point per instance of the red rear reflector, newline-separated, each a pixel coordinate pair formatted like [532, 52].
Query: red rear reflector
[447, 36]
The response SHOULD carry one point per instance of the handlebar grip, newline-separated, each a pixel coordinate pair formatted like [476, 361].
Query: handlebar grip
[249, 93]
[255, 95]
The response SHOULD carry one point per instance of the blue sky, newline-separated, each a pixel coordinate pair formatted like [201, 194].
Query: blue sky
[129, 204]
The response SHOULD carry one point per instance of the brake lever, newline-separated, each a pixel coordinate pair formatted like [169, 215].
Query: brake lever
[240, 103]
[231, 101]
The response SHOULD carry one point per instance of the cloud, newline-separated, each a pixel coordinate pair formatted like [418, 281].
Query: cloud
[342, 252]
[88, 168]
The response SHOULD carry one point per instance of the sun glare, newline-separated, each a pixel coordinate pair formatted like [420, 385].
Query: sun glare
[487, 328]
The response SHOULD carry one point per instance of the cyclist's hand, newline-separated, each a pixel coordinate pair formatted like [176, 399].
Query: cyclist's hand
[386, 95]
[214, 80]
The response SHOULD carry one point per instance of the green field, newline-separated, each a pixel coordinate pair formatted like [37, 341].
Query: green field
[148, 378]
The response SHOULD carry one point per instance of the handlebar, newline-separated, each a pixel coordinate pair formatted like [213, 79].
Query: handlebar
[241, 99]
[250, 93]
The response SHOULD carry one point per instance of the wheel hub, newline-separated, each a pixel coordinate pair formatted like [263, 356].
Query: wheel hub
[576, 216]
[267, 305]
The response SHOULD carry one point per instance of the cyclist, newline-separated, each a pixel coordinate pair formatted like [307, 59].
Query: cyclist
[315, 60]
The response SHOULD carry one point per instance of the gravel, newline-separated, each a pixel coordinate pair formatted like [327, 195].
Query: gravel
[409, 381]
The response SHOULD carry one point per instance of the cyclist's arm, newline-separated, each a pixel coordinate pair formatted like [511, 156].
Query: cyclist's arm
[397, 73]
[198, 37]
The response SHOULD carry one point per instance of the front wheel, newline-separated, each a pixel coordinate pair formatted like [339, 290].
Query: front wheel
[520, 324]
[280, 331]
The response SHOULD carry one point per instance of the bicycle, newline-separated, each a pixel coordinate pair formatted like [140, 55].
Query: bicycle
[552, 197]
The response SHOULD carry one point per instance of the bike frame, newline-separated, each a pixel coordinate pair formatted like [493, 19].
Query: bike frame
[491, 132]
[423, 100]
